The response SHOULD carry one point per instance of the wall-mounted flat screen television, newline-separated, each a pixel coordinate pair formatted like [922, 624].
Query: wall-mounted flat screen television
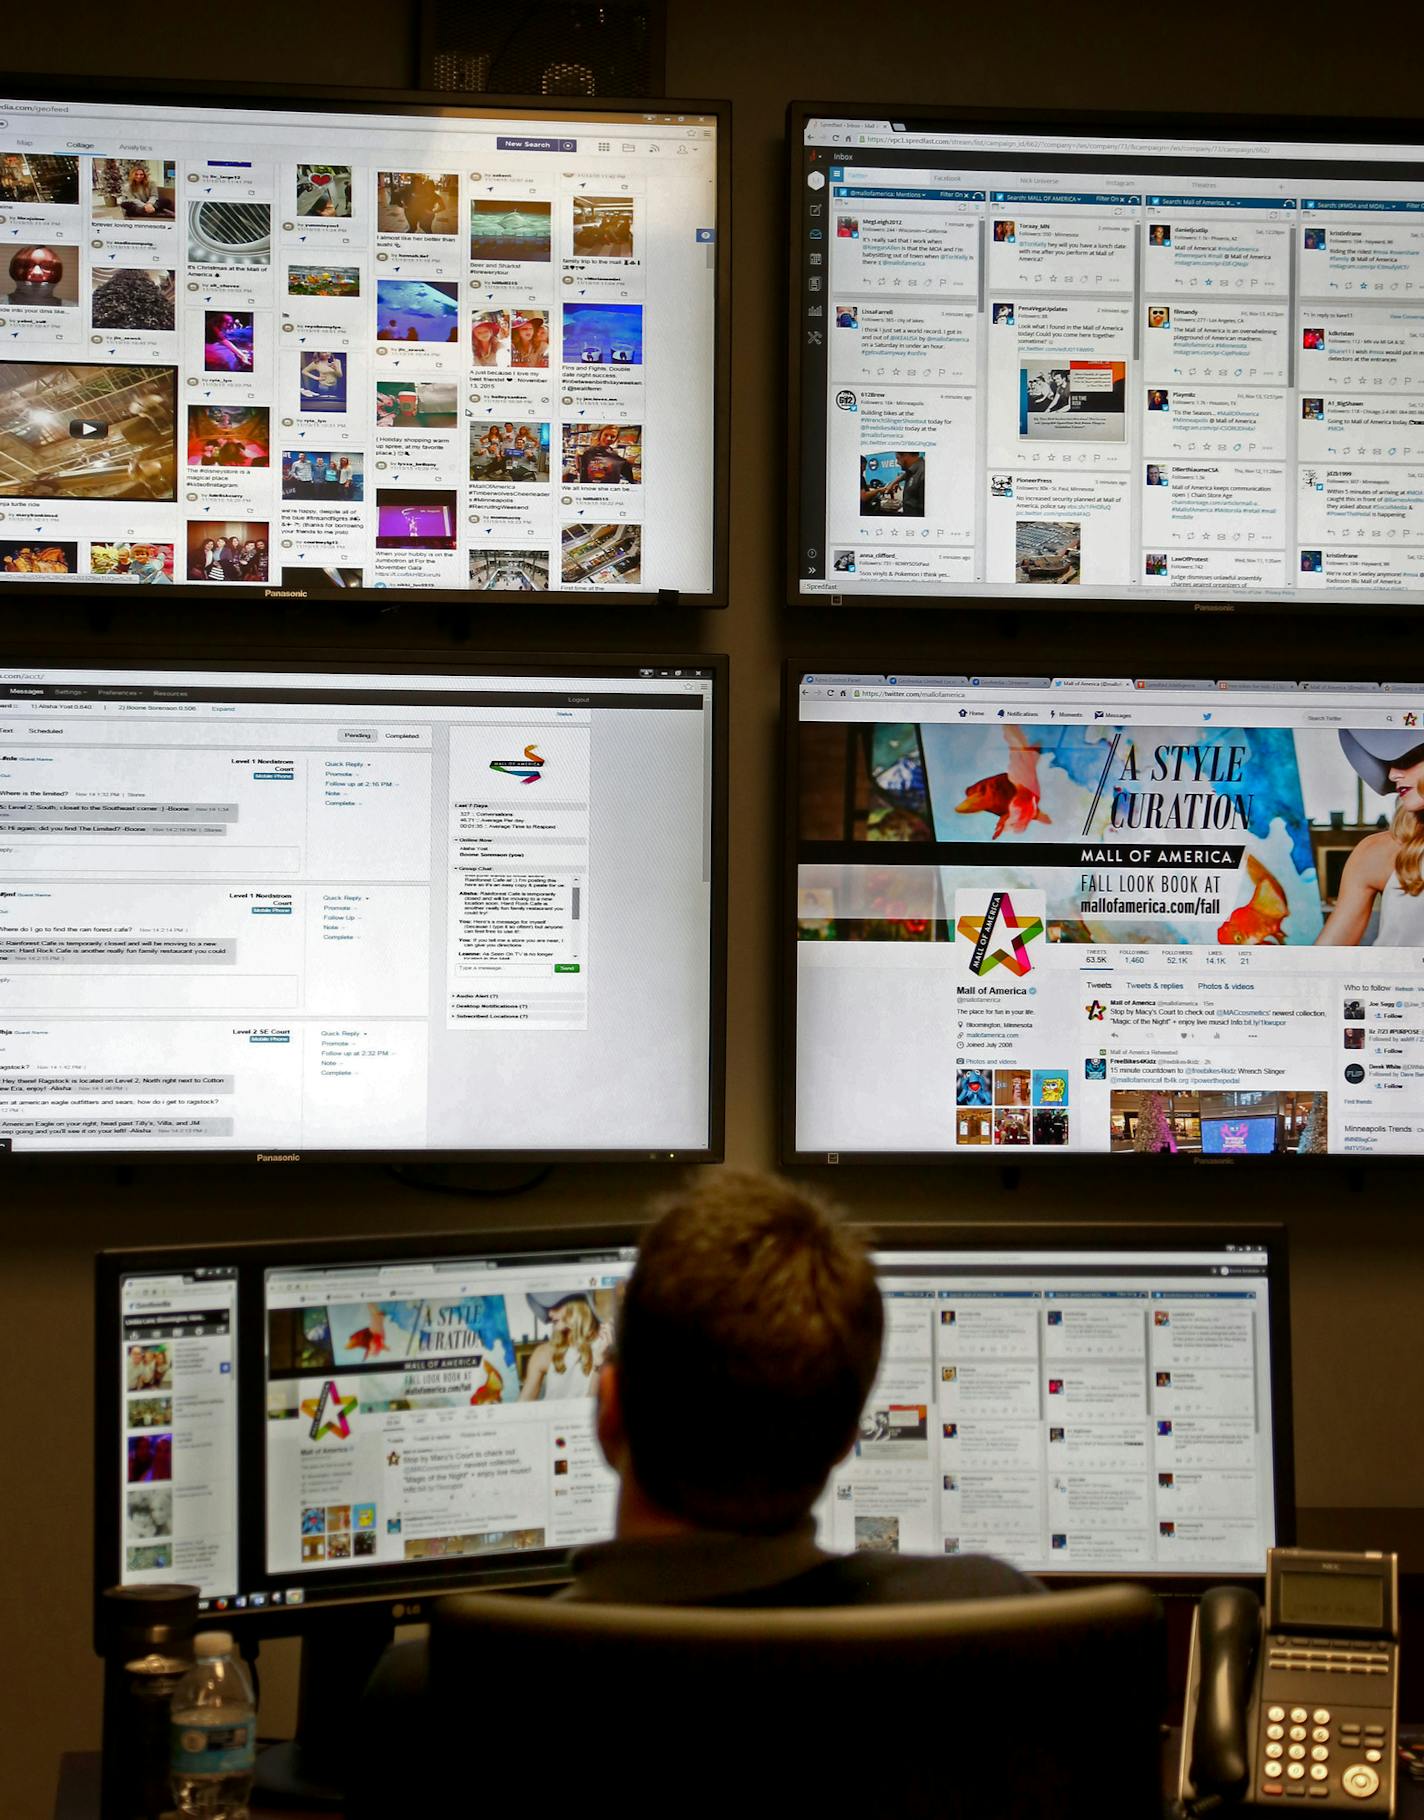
[1029, 919]
[297, 912]
[1150, 362]
[307, 344]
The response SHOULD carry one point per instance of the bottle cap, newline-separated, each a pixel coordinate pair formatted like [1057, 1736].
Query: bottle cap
[213, 1643]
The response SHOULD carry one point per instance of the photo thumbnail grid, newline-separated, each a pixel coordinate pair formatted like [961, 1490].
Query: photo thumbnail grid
[208, 343]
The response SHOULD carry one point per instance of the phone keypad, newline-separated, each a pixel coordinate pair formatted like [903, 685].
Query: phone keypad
[1295, 1769]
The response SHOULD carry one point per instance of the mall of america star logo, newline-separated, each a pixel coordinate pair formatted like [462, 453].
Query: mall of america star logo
[1020, 932]
[329, 1412]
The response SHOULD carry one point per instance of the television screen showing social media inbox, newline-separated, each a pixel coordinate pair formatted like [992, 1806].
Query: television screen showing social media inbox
[320, 347]
[1144, 365]
[1037, 917]
[276, 913]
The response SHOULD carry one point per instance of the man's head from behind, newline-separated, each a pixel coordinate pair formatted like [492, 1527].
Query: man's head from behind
[748, 1341]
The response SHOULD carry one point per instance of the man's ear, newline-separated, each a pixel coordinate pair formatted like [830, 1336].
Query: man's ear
[609, 1425]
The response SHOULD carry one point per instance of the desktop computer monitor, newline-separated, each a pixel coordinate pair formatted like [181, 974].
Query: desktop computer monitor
[346, 1426]
[1033, 918]
[356, 1423]
[306, 911]
[1158, 360]
[290, 345]
[321, 1435]
[1108, 1400]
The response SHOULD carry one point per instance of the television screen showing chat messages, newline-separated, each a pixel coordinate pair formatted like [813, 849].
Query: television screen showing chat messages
[1143, 368]
[1039, 917]
[316, 350]
[273, 913]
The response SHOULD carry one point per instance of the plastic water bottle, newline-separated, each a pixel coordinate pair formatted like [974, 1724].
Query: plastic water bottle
[213, 1734]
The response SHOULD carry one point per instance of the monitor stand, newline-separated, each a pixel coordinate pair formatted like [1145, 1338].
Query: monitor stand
[339, 1651]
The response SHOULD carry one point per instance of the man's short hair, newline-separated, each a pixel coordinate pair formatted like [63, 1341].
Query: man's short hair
[748, 1341]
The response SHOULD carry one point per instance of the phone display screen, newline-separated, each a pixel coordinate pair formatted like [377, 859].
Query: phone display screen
[1318, 1598]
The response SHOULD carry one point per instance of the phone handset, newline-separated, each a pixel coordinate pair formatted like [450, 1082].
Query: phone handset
[1228, 1636]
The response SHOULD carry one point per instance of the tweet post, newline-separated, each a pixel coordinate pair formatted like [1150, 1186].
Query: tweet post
[902, 457]
[1219, 341]
[931, 342]
[903, 238]
[1225, 243]
[1361, 247]
[1077, 241]
[1058, 529]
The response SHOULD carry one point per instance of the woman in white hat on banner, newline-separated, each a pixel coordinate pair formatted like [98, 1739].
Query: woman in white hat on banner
[1384, 870]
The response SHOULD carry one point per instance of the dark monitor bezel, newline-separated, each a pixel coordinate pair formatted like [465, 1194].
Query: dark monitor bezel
[1272, 1237]
[379, 1589]
[1279, 128]
[251, 1259]
[476, 663]
[166, 92]
[967, 1159]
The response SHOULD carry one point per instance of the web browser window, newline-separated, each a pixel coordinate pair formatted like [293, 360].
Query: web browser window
[304, 349]
[1038, 916]
[421, 1413]
[1074, 1412]
[1151, 368]
[177, 1431]
[274, 913]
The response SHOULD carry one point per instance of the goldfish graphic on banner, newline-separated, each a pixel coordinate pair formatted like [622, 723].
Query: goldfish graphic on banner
[1013, 793]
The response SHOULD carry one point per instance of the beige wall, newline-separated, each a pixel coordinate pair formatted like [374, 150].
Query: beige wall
[1358, 1278]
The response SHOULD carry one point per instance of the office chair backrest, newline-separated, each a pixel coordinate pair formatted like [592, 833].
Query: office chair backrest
[985, 1709]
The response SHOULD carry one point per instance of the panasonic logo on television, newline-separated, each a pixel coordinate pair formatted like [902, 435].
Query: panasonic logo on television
[289, 1156]
[284, 593]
